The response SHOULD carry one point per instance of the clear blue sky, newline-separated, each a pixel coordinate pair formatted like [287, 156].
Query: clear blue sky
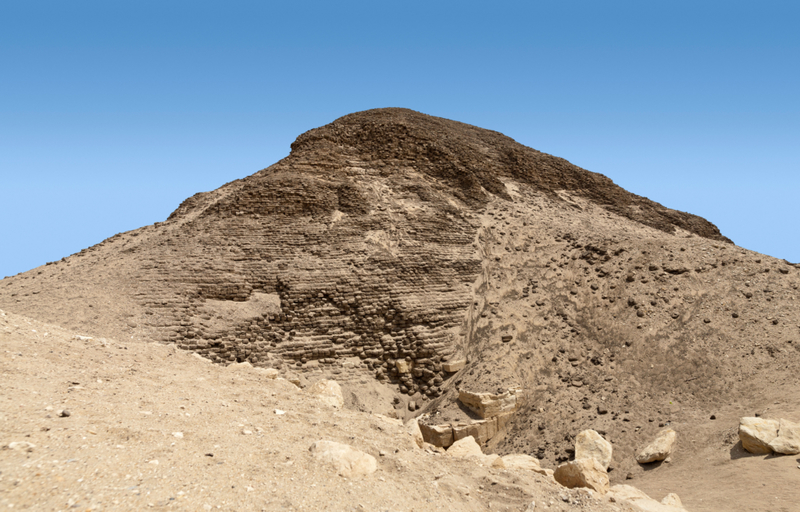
[112, 113]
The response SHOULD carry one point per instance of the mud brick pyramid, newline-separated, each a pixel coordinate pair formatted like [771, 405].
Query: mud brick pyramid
[396, 244]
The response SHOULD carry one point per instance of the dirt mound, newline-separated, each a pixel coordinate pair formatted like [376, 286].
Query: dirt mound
[389, 247]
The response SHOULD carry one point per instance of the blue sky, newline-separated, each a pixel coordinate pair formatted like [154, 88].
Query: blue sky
[112, 113]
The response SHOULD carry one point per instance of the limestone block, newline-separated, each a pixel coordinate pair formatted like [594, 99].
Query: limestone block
[346, 460]
[583, 473]
[481, 430]
[328, 392]
[523, 462]
[644, 503]
[757, 433]
[659, 449]
[488, 405]
[454, 366]
[590, 444]
[404, 366]
[503, 419]
[788, 440]
[437, 435]
[412, 427]
[464, 448]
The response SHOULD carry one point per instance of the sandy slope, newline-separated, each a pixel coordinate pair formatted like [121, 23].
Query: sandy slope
[126, 403]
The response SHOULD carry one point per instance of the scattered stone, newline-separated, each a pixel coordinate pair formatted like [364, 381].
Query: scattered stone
[659, 449]
[464, 448]
[63, 413]
[583, 473]
[328, 392]
[178, 435]
[346, 460]
[590, 444]
[757, 433]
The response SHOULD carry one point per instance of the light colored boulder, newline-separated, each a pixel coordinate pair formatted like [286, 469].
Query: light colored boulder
[590, 444]
[788, 440]
[642, 502]
[523, 462]
[583, 473]
[464, 448]
[488, 405]
[454, 366]
[412, 427]
[659, 449]
[757, 433]
[328, 392]
[437, 435]
[346, 460]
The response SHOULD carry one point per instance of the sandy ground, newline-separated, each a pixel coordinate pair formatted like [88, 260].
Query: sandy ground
[119, 448]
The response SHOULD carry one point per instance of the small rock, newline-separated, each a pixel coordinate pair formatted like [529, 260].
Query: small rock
[179, 435]
[346, 460]
[412, 405]
[454, 366]
[279, 412]
[63, 413]
[21, 446]
[659, 449]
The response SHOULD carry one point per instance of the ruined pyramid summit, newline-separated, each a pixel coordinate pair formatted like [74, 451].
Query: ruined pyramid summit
[396, 245]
